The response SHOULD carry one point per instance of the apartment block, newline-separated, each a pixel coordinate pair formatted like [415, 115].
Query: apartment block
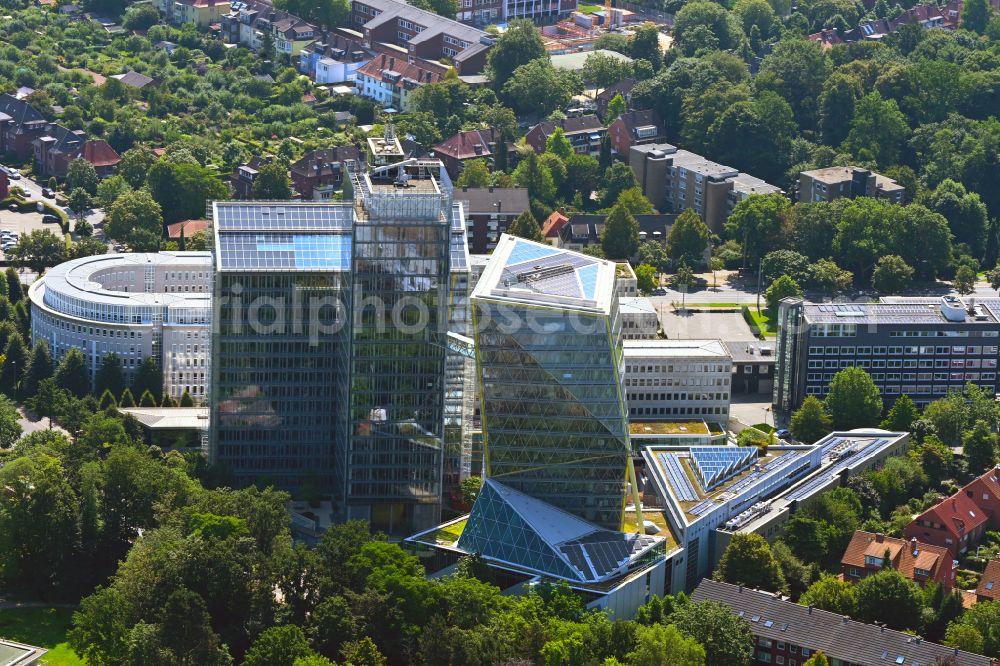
[677, 379]
[585, 133]
[675, 180]
[923, 348]
[851, 182]
[488, 213]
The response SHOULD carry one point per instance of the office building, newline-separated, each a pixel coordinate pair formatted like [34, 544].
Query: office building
[921, 347]
[833, 183]
[677, 379]
[789, 633]
[134, 306]
[675, 180]
[753, 366]
[331, 354]
[640, 320]
[558, 462]
[709, 493]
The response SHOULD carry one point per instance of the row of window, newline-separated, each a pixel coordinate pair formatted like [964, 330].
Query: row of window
[697, 367]
[905, 389]
[908, 363]
[895, 351]
[678, 396]
[910, 376]
[678, 411]
[674, 381]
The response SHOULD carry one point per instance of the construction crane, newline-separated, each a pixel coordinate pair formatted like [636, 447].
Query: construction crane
[607, 14]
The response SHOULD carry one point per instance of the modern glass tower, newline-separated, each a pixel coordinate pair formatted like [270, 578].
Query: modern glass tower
[549, 360]
[331, 363]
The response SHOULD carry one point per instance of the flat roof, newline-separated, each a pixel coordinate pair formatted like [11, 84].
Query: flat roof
[170, 418]
[19, 654]
[669, 428]
[574, 61]
[675, 349]
[525, 272]
[908, 311]
[636, 305]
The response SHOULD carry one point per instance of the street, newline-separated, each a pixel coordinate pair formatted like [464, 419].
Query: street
[34, 191]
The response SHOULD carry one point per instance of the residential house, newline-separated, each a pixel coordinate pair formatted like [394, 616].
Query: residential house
[186, 228]
[867, 554]
[320, 173]
[587, 229]
[552, 225]
[623, 88]
[201, 13]
[17, 122]
[335, 57]
[674, 180]
[135, 80]
[56, 146]
[488, 213]
[243, 178]
[989, 583]
[249, 22]
[585, 133]
[827, 38]
[835, 182]
[467, 145]
[389, 81]
[788, 633]
[164, 45]
[423, 35]
[959, 522]
[634, 128]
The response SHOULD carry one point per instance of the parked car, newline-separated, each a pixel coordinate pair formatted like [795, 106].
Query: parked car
[46, 219]
[48, 193]
[659, 292]
[783, 433]
[14, 174]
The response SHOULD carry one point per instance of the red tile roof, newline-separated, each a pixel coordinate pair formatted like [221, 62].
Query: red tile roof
[463, 145]
[376, 67]
[553, 223]
[190, 228]
[989, 583]
[906, 555]
[958, 514]
[99, 153]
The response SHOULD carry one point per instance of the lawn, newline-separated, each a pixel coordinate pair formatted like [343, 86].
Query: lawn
[42, 627]
[763, 322]
[589, 9]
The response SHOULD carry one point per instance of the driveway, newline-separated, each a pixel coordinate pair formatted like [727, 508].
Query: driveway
[31, 423]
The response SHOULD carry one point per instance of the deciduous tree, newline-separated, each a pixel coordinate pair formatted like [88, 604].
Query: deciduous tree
[811, 422]
[853, 401]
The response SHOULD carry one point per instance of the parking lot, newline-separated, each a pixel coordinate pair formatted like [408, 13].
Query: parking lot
[24, 223]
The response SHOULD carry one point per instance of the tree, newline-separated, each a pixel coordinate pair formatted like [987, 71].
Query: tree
[755, 223]
[363, 652]
[660, 644]
[79, 201]
[82, 174]
[688, 237]
[559, 145]
[646, 45]
[922, 239]
[616, 107]
[475, 173]
[519, 45]
[620, 239]
[748, 561]
[766, 122]
[132, 211]
[878, 130]
[538, 87]
[783, 287]
[892, 275]
[796, 69]
[186, 399]
[646, 277]
[853, 401]
[965, 280]
[14, 290]
[38, 250]
[901, 416]
[617, 178]
[536, 177]
[605, 70]
[841, 91]
[984, 619]
[964, 637]
[168, 401]
[949, 416]
[811, 422]
[828, 277]
[149, 378]
[134, 165]
[109, 376]
[15, 360]
[700, 18]
[980, 447]
[965, 211]
[784, 262]
[727, 639]
[525, 226]
[10, 428]
[975, 15]
[278, 645]
[182, 190]
[683, 281]
[831, 594]
[333, 13]
[635, 201]
[147, 399]
[817, 659]
[108, 400]
[87, 247]
[127, 399]
[890, 598]
[39, 367]
[71, 373]
[272, 183]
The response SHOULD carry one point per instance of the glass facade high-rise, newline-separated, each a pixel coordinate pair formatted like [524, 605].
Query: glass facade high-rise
[549, 358]
[331, 366]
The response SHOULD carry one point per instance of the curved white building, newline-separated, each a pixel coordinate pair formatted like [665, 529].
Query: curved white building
[134, 305]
